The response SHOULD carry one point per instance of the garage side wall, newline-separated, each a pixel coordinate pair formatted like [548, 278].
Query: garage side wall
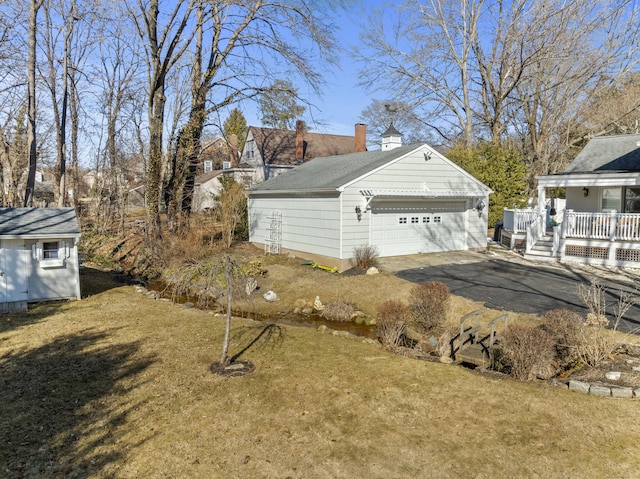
[477, 225]
[308, 224]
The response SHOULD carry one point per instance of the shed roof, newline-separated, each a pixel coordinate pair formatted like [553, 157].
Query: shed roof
[608, 153]
[38, 223]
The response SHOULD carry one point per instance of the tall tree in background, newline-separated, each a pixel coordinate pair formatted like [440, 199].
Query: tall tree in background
[475, 71]
[237, 45]
[378, 115]
[164, 46]
[235, 124]
[34, 6]
[279, 106]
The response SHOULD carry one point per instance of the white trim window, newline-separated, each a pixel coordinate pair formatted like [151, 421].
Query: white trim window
[50, 254]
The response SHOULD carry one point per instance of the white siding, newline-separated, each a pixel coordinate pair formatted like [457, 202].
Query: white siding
[308, 224]
[14, 268]
[60, 282]
[415, 173]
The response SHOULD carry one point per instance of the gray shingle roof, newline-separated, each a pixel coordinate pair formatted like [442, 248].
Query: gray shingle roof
[608, 153]
[331, 172]
[38, 222]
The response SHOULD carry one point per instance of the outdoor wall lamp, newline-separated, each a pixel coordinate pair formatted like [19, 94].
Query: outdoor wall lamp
[358, 213]
[585, 191]
[479, 207]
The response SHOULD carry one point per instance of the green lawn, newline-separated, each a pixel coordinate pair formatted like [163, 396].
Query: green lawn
[118, 385]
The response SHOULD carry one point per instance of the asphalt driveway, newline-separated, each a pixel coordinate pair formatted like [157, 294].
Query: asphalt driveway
[503, 280]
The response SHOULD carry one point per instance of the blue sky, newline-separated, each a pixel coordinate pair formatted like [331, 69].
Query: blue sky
[338, 110]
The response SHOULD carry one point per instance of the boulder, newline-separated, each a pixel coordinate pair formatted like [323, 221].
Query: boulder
[317, 304]
[373, 270]
[270, 296]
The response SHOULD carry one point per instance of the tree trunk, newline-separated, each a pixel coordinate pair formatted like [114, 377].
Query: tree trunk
[31, 108]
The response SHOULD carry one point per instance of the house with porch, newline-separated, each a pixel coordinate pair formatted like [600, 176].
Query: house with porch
[600, 221]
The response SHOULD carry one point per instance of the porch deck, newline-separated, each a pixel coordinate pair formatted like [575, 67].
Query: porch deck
[611, 239]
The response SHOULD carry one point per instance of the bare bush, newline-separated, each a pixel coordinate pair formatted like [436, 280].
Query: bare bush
[392, 319]
[338, 311]
[429, 305]
[564, 327]
[526, 350]
[597, 339]
[364, 257]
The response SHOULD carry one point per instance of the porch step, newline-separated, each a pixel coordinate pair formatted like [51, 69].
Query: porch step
[542, 250]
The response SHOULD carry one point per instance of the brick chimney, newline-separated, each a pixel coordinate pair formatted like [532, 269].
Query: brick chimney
[299, 141]
[361, 137]
[233, 150]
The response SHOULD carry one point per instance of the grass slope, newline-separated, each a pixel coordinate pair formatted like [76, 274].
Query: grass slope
[118, 385]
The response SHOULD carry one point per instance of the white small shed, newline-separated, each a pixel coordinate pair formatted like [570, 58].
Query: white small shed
[38, 256]
[403, 201]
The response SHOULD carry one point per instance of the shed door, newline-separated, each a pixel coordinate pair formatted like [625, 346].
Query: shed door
[13, 271]
[429, 228]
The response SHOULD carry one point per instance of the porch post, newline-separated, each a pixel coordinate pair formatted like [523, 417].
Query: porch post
[542, 200]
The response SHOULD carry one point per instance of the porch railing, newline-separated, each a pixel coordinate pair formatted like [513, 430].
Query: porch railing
[605, 226]
[518, 220]
[535, 231]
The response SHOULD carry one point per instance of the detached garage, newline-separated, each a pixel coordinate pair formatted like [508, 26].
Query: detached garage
[403, 200]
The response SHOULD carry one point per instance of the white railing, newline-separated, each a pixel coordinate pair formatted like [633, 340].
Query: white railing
[518, 220]
[605, 226]
[535, 231]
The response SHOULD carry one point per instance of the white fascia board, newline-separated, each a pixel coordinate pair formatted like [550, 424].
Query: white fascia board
[589, 179]
[300, 192]
[41, 237]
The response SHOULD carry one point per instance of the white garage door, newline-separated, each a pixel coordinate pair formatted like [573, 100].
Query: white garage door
[432, 227]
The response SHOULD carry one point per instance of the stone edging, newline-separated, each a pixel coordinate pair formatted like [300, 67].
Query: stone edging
[604, 391]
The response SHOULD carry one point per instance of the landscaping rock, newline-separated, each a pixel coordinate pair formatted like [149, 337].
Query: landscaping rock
[622, 392]
[323, 328]
[373, 270]
[613, 375]
[188, 304]
[317, 304]
[270, 296]
[636, 393]
[600, 391]
[579, 386]
[445, 360]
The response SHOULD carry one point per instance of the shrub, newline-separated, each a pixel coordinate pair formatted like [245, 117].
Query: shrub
[429, 305]
[526, 350]
[364, 257]
[564, 327]
[337, 311]
[392, 318]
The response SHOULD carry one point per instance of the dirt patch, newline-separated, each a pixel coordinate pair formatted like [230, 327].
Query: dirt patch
[235, 369]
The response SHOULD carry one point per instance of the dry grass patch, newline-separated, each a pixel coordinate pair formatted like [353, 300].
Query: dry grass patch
[118, 385]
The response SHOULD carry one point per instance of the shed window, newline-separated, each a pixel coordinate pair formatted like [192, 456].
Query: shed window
[437, 219]
[426, 219]
[50, 250]
[415, 220]
[403, 220]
